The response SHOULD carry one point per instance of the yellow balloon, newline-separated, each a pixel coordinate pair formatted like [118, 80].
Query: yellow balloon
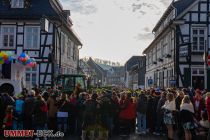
[1, 54]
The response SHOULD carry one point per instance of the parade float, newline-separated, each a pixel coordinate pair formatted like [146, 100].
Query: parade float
[12, 74]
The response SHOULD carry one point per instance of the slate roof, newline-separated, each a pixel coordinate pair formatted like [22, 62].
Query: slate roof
[36, 9]
[52, 9]
[105, 67]
[134, 60]
[180, 6]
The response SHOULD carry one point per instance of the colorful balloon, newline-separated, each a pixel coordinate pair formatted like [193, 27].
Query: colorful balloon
[1, 62]
[5, 57]
[9, 53]
[11, 58]
[23, 55]
[1, 54]
[7, 62]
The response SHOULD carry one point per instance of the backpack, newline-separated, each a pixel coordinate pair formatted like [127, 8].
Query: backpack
[106, 106]
[90, 106]
[142, 105]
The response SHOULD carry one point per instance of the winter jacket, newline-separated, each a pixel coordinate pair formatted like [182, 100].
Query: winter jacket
[186, 116]
[199, 109]
[106, 106]
[178, 102]
[161, 102]
[19, 106]
[51, 103]
[29, 106]
[91, 107]
[129, 112]
[40, 112]
[142, 104]
[8, 120]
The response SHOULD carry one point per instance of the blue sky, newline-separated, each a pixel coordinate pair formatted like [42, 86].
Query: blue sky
[115, 29]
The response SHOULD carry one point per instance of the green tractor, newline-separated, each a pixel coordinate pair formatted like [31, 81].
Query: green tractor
[68, 82]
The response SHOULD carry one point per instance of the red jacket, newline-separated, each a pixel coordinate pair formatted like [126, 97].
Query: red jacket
[8, 120]
[200, 108]
[208, 107]
[129, 112]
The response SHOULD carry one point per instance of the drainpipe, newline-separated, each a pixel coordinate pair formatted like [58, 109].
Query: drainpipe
[78, 59]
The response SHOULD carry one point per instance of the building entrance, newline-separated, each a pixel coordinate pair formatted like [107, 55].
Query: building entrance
[198, 82]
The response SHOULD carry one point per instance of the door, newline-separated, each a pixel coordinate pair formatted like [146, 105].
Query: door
[6, 71]
[31, 77]
[198, 82]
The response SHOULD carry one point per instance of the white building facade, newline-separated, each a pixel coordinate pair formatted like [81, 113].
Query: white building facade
[55, 50]
[175, 56]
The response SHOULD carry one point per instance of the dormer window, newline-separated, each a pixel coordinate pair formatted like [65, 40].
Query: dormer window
[17, 3]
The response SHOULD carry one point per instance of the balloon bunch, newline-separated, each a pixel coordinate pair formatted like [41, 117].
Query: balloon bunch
[26, 60]
[23, 58]
[6, 57]
[32, 62]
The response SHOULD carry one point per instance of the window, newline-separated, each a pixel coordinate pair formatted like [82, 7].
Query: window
[17, 4]
[198, 39]
[32, 37]
[69, 49]
[162, 48]
[8, 37]
[31, 77]
[63, 42]
[72, 49]
[197, 71]
[74, 52]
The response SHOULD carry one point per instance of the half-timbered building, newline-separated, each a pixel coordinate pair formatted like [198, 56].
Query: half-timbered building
[175, 56]
[43, 30]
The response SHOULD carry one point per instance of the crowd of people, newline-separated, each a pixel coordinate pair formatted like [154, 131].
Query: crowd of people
[185, 111]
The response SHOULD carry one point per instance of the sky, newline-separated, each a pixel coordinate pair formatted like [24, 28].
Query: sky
[114, 30]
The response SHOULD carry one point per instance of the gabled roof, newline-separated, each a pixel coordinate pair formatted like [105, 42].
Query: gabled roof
[37, 9]
[105, 67]
[134, 60]
[180, 6]
[96, 66]
[52, 9]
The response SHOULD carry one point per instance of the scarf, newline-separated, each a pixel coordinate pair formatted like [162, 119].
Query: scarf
[188, 107]
[170, 105]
